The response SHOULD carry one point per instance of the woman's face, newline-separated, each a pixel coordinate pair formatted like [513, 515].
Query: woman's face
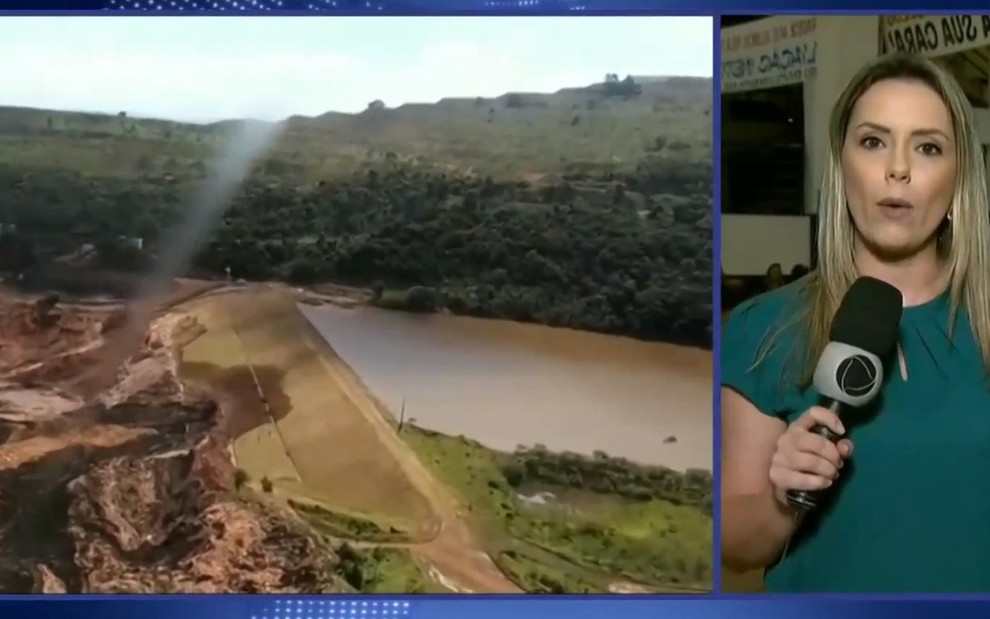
[899, 166]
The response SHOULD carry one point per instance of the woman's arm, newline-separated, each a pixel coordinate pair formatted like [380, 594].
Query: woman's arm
[755, 524]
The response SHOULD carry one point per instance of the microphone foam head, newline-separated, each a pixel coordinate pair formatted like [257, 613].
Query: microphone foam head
[869, 317]
[864, 331]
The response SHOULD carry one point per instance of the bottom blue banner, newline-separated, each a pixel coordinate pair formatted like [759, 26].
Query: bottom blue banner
[478, 607]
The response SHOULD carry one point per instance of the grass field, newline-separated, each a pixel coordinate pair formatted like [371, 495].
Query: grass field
[582, 541]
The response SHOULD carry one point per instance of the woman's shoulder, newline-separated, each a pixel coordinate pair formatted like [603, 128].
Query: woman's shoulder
[775, 308]
[759, 342]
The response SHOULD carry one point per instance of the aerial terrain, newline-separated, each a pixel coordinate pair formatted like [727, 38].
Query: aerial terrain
[298, 402]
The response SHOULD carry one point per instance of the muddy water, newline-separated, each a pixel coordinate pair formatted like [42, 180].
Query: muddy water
[507, 384]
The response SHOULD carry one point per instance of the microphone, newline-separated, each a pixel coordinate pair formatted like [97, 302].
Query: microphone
[850, 372]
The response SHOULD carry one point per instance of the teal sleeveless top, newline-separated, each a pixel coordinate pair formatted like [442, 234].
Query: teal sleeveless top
[911, 509]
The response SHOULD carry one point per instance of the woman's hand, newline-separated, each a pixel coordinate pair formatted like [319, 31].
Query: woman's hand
[804, 460]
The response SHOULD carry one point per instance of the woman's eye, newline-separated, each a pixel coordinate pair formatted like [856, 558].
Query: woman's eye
[871, 142]
[931, 150]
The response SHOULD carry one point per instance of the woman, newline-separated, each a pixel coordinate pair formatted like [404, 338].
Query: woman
[774, 277]
[904, 200]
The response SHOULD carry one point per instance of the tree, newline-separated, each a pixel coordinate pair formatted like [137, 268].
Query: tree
[514, 101]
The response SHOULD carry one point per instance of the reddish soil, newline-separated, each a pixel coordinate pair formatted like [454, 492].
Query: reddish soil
[113, 478]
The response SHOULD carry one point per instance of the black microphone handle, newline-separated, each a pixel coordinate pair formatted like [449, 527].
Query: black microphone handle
[807, 500]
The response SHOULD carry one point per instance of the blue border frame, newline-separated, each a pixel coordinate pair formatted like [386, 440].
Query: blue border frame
[383, 7]
[716, 305]
[542, 7]
[500, 607]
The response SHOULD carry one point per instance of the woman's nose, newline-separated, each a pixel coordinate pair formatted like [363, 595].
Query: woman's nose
[898, 168]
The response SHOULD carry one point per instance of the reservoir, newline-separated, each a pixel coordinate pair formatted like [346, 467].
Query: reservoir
[506, 384]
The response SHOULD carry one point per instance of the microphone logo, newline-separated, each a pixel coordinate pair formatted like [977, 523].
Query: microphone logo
[856, 375]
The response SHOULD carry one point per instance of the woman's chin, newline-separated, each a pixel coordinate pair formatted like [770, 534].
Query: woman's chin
[894, 246]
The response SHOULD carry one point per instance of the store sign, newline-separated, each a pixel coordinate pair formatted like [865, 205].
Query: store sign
[769, 52]
[933, 35]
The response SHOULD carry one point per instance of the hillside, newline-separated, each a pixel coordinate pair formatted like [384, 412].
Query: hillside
[588, 208]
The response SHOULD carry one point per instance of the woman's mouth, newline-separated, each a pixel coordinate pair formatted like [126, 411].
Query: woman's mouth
[895, 207]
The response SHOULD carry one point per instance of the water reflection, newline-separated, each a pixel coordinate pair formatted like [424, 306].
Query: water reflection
[506, 384]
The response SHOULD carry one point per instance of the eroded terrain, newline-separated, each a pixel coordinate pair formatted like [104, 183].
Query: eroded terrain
[130, 488]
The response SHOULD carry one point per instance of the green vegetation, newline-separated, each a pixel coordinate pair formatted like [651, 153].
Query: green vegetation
[604, 474]
[650, 542]
[341, 526]
[351, 568]
[535, 577]
[383, 570]
[589, 208]
[560, 521]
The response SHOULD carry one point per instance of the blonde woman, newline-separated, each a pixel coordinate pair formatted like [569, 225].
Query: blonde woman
[903, 199]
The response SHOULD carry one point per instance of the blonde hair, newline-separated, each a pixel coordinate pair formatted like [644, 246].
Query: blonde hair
[964, 244]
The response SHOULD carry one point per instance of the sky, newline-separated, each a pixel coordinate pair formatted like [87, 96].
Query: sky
[203, 69]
